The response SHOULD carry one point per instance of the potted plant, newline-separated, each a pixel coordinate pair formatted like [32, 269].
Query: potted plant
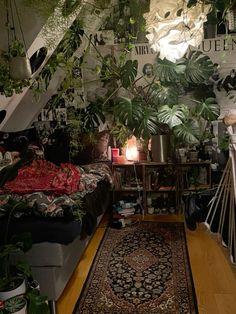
[19, 64]
[166, 105]
[15, 273]
[16, 305]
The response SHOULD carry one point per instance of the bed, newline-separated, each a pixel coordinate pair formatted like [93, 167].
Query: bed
[61, 205]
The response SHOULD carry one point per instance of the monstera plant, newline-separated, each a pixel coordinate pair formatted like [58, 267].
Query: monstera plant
[168, 100]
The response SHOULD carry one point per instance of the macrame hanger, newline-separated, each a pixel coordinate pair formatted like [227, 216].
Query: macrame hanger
[19, 64]
[20, 27]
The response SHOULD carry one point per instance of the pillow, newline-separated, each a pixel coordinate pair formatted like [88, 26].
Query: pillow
[100, 147]
[92, 150]
[17, 141]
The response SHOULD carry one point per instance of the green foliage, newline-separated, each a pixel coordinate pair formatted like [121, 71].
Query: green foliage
[11, 274]
[16, 49]
[199, 67]
[60, 58]
[208, 109]
[168, 71]
[187, 133]
[153, 106]
[173, 116]
[37, 303]
[15, 304]
[9, 86]
[128, 73]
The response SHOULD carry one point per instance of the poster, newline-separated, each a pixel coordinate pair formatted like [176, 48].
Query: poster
[222, 51]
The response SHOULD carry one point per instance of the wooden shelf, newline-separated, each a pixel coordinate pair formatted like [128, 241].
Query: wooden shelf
[153, 178]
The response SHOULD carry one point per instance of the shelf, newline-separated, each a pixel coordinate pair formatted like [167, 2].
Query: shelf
[163, 183]
[128, 189]
[162, 189]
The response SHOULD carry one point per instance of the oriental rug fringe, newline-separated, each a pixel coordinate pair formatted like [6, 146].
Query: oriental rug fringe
[140, 269]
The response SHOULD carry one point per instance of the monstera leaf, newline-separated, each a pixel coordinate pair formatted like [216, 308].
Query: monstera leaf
[128, 73]
[163, 94]
[208, 109]
[199, 67]
[127, 111]
[193, 68]
[92, 116]
[140, 119]
[187, 133]
[173, 115]
[148, 125]
[168, 71]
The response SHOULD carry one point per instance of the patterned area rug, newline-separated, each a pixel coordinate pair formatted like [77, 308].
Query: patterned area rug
[141, 269]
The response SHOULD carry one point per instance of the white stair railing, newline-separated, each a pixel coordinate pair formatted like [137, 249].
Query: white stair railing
[221, 215]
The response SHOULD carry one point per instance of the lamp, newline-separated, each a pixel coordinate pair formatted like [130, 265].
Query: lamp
[173, 26]
[131, 152]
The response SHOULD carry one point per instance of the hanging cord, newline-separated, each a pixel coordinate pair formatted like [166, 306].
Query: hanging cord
[7, 24]
[139, 189]
[12, 23]
[20, 27]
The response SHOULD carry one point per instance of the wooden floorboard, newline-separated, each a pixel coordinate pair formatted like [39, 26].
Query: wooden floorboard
[213, 274]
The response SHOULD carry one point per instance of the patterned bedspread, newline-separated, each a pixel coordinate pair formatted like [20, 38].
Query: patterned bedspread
[46, 202]
[90, 176]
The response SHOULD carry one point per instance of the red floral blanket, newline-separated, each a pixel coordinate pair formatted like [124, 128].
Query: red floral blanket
[42, 175]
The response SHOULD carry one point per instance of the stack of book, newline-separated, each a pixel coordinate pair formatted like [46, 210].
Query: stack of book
[125, 209]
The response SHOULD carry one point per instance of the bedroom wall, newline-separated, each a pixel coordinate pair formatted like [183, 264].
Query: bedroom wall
[23, 108]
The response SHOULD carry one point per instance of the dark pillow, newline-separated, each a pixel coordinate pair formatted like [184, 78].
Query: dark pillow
[92, 150]
[83, 153]
[56, 149]
[17, 141]
[100, 147]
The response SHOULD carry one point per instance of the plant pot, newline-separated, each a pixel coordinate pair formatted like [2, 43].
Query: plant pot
[160, 147]
[20, 289]
[19, 68]
[16, 305]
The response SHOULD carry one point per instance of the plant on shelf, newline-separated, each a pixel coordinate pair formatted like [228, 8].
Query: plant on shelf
[164, 104]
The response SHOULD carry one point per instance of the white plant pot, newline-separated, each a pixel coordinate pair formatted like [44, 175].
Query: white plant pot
[19, 68]
[21, 289]
[16, 305]
[22, 311]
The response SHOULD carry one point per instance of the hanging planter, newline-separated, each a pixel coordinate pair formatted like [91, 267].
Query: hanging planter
[19, 63]
[19, 68]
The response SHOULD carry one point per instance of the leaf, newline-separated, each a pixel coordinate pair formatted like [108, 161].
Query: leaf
[127, 112]
[168, 71]
[128, 73]
[208, 109]
[141, 120]
[199, 67]
[173, 116]
[163, 94]
[187, 133]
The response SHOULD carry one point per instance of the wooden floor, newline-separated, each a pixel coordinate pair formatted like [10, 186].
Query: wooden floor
[214, 276]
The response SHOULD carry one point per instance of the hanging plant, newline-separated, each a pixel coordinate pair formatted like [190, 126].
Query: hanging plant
[19, 63]
[8, 85]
